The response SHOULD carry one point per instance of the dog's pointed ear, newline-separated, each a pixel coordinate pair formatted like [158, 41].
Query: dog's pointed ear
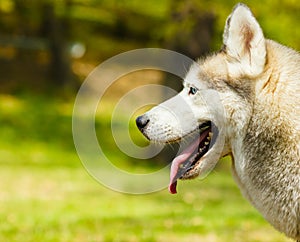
[244, 43]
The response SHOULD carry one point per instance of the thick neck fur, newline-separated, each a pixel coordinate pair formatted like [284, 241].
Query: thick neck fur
[267, 156]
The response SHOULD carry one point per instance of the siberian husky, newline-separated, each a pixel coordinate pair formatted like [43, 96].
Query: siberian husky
[242, 101]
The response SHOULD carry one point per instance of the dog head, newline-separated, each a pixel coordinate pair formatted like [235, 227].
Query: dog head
[212, 105]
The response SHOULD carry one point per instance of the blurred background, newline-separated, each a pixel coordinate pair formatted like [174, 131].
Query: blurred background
[47, 49]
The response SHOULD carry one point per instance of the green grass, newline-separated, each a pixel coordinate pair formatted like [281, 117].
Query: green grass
[46, 194]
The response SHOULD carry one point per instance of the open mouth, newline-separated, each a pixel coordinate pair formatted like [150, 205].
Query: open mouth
[188, 160]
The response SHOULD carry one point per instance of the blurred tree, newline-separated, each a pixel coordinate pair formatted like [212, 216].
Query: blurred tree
[191, 31]
[56, 31]
[39, 37]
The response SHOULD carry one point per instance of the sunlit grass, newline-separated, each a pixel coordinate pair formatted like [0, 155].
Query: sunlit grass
[46, 195]
[64, 204]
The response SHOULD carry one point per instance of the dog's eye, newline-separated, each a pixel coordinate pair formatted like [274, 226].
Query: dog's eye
[193, 90]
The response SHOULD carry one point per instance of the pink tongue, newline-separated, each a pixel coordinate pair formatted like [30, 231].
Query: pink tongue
[178, 161]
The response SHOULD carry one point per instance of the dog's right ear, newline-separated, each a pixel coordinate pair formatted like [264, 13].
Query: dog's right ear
[244, 43]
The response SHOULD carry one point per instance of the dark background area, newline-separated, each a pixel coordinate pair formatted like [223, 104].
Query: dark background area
[53, 45]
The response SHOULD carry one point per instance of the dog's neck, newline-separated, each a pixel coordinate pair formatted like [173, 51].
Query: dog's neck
[266, 156]
[268, 172]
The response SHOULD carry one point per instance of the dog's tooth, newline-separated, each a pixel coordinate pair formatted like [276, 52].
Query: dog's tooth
[210, 134]
[208, 138]
[206, 143]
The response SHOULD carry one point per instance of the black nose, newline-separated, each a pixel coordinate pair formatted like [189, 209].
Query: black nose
[142, 121]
